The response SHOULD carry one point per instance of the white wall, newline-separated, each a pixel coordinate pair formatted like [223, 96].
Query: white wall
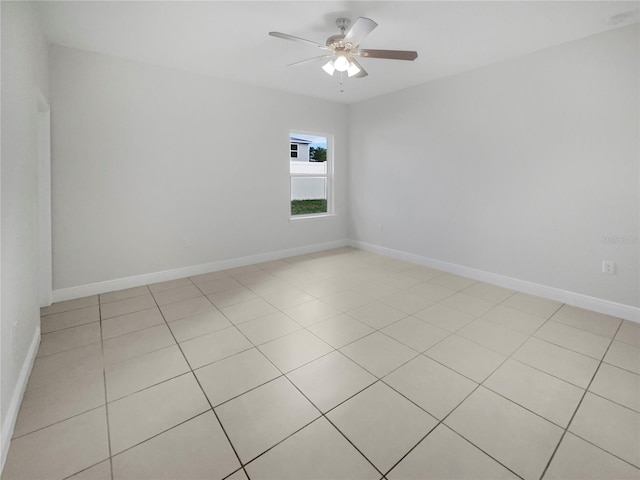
[145, 156]
[519, 169]
[24, 70]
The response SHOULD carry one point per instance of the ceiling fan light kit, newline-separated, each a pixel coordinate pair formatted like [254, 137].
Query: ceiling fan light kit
[345, 47]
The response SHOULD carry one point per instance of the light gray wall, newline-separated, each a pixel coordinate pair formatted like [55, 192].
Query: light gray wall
[144, 156]
[520, 168]
[24, 68]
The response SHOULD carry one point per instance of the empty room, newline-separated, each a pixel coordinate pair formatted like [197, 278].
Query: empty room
[320, 240]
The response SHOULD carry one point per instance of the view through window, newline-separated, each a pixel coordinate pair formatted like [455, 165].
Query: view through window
[309, 168]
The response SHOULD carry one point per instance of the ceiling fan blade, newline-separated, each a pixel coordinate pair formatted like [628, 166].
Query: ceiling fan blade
[362, 73]
[284, 36]
[360, 29]
[309, 60]
[389, 54]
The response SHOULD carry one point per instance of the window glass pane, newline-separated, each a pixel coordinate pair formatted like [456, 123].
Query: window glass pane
[308, 195]
[311, 153]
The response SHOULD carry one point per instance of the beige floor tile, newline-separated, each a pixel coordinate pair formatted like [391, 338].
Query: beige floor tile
[60, 450]
[231, 297]
[180, 282]
[466, 303]
[318, 451]
[101, 471]
[533, 305]
[237, 475]
[382, 424]
[71, 318]
[207, 277]
[245, 311]
[311, 312]
[400, 280]
[58, 398]
[187, 308]
[218, 285]
[432, 291]
[214, 346]
[433, 387]
[407, 302]
[235, 375]
[133, 375]
[330, 380]
[624, 356]
[138, 343]
[416, 333]
[467, 358]
[444, 317]
[489, 292]
[264, 416]
[375, 289]
[609, 426]
[517, 438]
[493, 336]
[267, 328]
[235, 271]
[132, 322]
[294, 350]
[446, 455]
[140, 416]
[453, 282]
[197, 448]
[199, 324]
[341, 330]
[579, 460]
[74, 337]
[598, 323]
[423, 273]
[127, 305]
[68, 305]
[514, 319]
[617, 385]
[574, 339]
[629, 333]
[122, 294]
[346, 301]
[71, 364]
[549, 397]
[173, 295]
[558, 361]
[287, 298]
[377, 315]
[378, 354]
[323, 288]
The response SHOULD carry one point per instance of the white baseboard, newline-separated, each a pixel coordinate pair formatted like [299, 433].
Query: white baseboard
[619, 310]
[9, 422]
[121, 283]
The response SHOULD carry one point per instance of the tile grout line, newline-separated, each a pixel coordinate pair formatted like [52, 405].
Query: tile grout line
[104, 379]
[200, 385]
[575, 412]
[479, 384]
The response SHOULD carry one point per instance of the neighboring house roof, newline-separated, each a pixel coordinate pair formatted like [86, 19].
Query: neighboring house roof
[300, 140]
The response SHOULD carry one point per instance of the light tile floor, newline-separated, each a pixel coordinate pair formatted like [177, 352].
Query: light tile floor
[340, 364]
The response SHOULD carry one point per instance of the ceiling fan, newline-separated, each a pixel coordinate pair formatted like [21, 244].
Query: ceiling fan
[345, 48]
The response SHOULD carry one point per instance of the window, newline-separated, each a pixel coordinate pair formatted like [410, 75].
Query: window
[310, 171]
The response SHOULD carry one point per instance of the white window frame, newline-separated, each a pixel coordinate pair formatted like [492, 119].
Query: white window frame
[328, 177]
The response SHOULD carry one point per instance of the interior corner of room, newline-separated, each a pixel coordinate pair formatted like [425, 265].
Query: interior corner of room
[118, 172]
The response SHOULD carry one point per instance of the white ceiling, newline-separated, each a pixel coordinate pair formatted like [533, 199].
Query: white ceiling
[230, 39]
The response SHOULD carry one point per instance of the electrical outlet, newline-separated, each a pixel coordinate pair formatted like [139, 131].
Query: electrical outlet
[608, 267]
[380, 227]
[186, 243]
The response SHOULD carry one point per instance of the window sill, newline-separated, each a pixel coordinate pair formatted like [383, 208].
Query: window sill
[303, 218]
